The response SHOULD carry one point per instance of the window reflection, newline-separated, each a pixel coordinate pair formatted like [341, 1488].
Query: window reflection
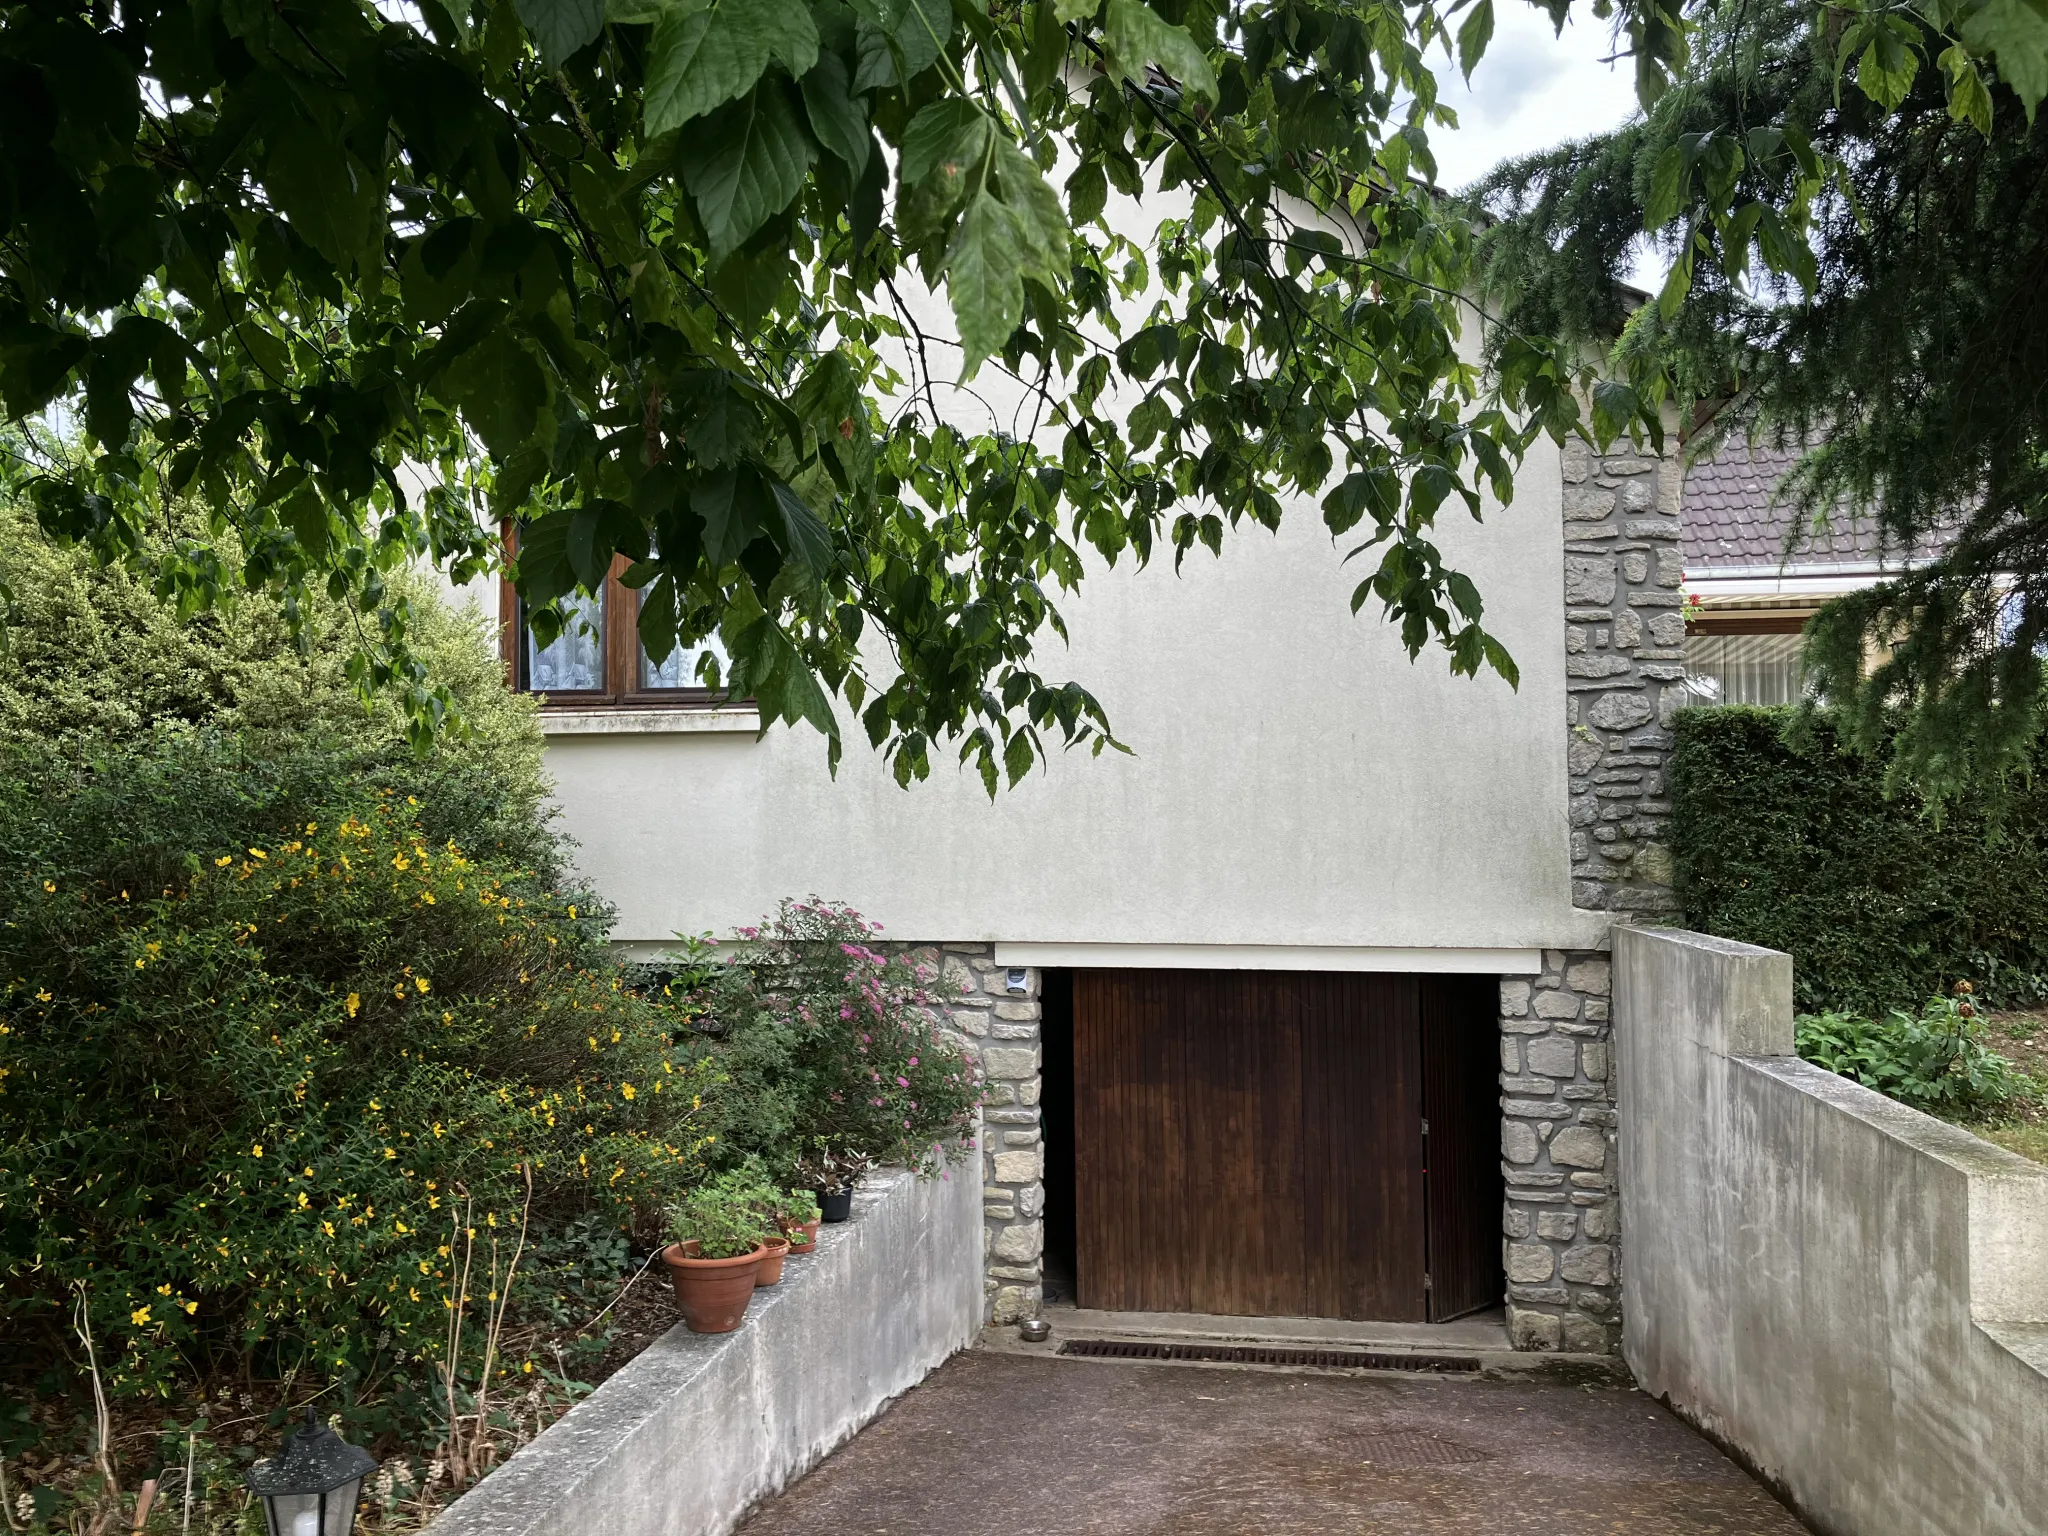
[575, 662]
[1744, 669]
[680, 670]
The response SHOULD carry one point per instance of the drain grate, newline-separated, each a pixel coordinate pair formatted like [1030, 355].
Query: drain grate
[1263, 1354]
[1401, 1448]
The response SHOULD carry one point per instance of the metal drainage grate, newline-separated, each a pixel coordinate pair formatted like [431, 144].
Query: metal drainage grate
[1411, 1448]
[1260, 1354]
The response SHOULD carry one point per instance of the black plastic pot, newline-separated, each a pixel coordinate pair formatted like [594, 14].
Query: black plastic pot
[835, 1204]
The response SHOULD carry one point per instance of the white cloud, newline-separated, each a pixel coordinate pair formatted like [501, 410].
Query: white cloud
[1534, 89]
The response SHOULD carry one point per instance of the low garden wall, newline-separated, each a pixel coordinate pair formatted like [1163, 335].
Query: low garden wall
[1850, 1295]
[696, 1429]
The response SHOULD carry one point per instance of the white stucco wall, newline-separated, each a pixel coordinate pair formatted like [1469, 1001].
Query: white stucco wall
[1297, 781]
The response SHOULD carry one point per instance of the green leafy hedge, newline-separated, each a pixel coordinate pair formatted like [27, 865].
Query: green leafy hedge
[1879, 903]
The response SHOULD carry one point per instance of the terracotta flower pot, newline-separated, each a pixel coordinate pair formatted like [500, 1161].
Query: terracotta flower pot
[774, 1249]
[804, 1239]
[713, 1293]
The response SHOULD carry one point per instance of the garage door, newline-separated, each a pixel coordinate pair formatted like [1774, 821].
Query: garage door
[1258, 1143]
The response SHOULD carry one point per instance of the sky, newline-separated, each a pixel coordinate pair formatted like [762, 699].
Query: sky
[1534, 89]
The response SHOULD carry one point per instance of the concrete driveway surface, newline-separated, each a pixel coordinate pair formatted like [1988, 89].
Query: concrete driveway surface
[1005, 1444]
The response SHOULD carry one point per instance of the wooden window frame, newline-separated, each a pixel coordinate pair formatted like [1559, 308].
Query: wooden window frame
[1783, 621]
[620, 608]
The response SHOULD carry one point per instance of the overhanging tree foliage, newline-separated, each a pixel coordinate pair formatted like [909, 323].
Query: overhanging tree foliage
[1855, 202]
[638, 277]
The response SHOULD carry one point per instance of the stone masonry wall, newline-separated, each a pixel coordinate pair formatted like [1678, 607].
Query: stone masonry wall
[1625, 673]
[1002, 1027]
[1561, 1222]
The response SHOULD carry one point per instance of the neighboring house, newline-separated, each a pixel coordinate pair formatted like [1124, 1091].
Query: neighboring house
[1302, 1008]
[1756, 571]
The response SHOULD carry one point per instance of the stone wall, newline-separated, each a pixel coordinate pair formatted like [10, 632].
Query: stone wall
[1625, 671]
[1002, 1024]
[1561, 1222]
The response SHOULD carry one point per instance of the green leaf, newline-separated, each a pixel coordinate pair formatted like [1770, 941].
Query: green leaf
[952, 132]
[805, 537]
[1668, 183]
[658, 619]
[984, 280]
[1040, 219]
[500, 389]
[1474, 34]
[1969, 100]
[1075, 10]
[561, 27]
[2015, 34]
[708, 52]
[1133, 36]
[1886, 70]
[750, 165]
[895, 44]
[836, 118]
[332, 199]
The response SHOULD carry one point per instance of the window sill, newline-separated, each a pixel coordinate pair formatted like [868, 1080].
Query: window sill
[721, 719]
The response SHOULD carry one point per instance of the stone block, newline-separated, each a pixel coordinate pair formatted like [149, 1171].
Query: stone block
[1514, 998]
[1587, 503]
[1588, 579]
[1518, 1143]
[1558, 1227]
[1593, 1060]
[1592, 976]
[1583, 755]
[1670, 568]
[1014, 1303]
[1029, 1089]
[1017, 1008]
[1003, 1030]
[1022, 1167]
[1628, 631]
[1635, 567]
[1530, 1263]
[1576, 1146]
[1590, 1265]
[1020, 1138]
[1526, 1329]
[1620, 711]
[1516, 1222]
[1010, 1061]
[1638, 496]
[1554, 1055]
[1668, 629]
[1510, 1056]
[1018, 1244]
[1598, 1221]
[1587, 1336]
[1605, 664]
[1028, 1272]
[1576, 459]
[1556, 1005]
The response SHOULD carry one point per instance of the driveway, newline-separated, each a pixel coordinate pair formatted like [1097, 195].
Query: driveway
[1010, 1445]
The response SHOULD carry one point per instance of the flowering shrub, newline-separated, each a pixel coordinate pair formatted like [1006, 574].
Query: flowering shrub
[254, 1087]
[836, 1057]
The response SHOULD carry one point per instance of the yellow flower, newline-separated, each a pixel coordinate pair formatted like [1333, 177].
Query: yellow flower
[422, 983]
[389, 1153]
[49, 885]
[139, 1317]
[258, 853]
[626, 1089]
[191, 1307]
[257, 1150]
[355, 1001]
[303, 1201]
[572, 912]
[400, 861]
[43, 996]
[163, 1290]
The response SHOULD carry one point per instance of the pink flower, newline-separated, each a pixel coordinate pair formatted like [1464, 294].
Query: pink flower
[902, 1082]
[913, 1061]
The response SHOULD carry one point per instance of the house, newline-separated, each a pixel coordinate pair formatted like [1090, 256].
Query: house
[1756, 570]
[1302, 1008]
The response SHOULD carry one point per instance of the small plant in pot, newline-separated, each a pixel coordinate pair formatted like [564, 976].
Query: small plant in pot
[798, 1217]
[715, 1257]
[831, 1173]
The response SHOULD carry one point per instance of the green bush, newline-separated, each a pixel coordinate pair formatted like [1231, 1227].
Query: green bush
[267, 1044]
[1934, 1060]
[728, 1215]
[834, 1056]
[1796, 846]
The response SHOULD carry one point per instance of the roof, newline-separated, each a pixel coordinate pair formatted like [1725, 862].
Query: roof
[1733, 517]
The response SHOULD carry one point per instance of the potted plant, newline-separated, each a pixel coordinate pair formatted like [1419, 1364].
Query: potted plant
[774, 1249]
[831, 1172]
[798, 1217]
[716, 1252]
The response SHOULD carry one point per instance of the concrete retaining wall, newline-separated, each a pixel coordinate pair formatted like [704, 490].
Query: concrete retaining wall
[697, 1428]
[1850, 1294]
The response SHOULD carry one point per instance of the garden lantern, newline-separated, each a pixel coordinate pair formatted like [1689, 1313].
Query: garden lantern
[310, 1487]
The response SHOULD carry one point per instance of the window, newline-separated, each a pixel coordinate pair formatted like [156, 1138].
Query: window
[598, 660]
[1743, 669]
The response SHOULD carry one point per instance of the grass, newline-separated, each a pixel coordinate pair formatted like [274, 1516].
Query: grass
[2022, 1038]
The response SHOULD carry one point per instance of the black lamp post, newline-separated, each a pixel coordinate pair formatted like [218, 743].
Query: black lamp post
[310, 1487]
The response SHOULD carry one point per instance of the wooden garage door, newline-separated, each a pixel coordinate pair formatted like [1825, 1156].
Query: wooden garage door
[1252, 1143]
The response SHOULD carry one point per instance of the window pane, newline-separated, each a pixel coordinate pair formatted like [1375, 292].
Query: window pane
[575, 662]
[680, 670]
[1743, 669]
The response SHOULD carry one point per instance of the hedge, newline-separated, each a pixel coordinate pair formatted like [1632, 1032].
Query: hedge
[1879, 902]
